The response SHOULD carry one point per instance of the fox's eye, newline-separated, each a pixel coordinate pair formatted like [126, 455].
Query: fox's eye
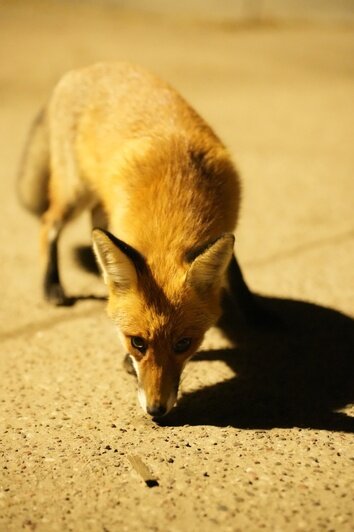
[138, 343]
[182, 345]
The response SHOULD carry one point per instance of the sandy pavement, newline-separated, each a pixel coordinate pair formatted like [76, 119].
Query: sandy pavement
[262, 438]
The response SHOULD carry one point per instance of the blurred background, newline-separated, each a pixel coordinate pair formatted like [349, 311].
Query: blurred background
[274, 78]
[242, 10]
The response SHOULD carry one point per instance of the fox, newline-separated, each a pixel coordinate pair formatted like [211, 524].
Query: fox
[164, 197]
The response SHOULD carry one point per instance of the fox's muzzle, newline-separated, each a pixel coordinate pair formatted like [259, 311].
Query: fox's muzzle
[158, 388]
[156, 410]
[157, 404]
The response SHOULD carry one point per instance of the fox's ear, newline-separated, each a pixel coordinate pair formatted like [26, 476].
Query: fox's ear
[210, 265]
[116, 260]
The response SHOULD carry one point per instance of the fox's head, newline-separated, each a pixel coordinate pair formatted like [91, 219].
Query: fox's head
[162, 319]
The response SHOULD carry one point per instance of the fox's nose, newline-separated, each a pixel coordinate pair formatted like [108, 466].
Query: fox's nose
[156, 410]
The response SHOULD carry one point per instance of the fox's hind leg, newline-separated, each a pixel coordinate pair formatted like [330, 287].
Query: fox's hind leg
[60, 212]
[53, 222]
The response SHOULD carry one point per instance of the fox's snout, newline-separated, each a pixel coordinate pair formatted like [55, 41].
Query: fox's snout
[157, 407]
[156, 410]
[157, 388]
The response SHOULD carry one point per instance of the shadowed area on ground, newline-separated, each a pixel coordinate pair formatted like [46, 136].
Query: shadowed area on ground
[85, 258]
[298, 373]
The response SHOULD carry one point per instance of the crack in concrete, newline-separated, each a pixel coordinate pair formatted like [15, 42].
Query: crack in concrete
[45, 325]
[334, 240]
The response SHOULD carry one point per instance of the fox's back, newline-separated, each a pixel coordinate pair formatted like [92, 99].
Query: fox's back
[126, 100]
[162, 175]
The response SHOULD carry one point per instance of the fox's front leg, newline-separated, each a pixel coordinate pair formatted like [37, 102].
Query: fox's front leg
[240, 293]
[240, 303]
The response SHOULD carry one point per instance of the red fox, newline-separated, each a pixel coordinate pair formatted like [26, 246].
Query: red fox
[119, 141]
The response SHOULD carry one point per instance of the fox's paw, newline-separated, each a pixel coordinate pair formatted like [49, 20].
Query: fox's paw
[55, 295]
[128, 365]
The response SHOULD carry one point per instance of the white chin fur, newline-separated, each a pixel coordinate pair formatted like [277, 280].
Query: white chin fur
[135, 366]
[141, 393]
[142, 399]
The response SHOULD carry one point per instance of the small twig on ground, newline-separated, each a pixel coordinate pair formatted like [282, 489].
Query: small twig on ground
[142, 470]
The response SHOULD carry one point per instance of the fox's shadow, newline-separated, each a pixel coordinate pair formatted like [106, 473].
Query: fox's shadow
[299, 372]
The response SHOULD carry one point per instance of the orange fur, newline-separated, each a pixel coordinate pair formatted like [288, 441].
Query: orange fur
[124, 142]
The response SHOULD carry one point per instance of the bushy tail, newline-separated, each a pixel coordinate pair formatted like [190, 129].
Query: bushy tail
[32, 183]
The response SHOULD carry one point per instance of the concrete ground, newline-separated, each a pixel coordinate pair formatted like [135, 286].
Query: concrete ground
[262, 438]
